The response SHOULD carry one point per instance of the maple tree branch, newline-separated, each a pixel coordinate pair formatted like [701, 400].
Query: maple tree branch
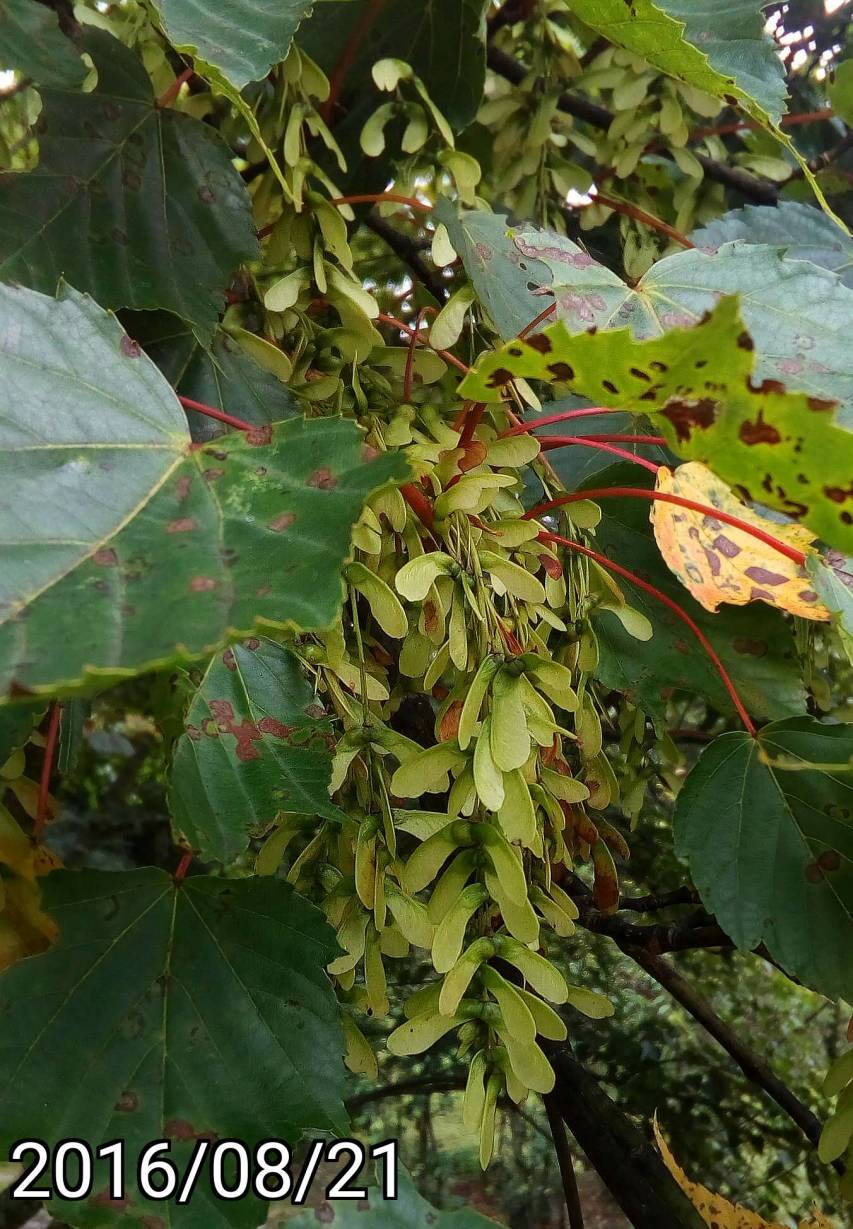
[417, 1087]
[565, 1162]
[756, 1068]
[512, 70]
[627, 1163]
[406, 249]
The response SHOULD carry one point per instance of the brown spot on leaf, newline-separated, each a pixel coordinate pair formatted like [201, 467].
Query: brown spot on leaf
[270, 725]
[759, 432]
[129, 347]
[211, 475]
[687, 415]
[838, 494]
[819, 404]
[229, 660]
[259, 437]
[185, 524]
[281, 522]
[745, 342]
[202, 584]
[105, 557]
[105, 1200]
[499, 376]
[639, 374]
[182, 487]
[763, 576]
[127, 1102]
[755, 648]
[561, 371]
[323, 479]
[540, 343]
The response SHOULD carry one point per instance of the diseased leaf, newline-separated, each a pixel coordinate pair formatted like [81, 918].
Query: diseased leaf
[782, 449]
[767, 827]
[186, 1012]
[222, 375]
[794, 311]
[32, 44]
[754, 642]
[138, 205]
[832, 577]
[251, 750]
[242, 39]
[511, 286]
[806, 233]
[721, 563]
[123, 547]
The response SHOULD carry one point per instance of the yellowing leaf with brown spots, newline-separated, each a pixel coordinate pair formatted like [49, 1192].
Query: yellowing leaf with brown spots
[25, 930]
[719, 562]
[719, 1212]
[788, 450]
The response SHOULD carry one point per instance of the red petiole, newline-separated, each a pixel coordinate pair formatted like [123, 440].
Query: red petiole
[565, 441]
[47, 770]
[672, 605]
[220, 415]
[790, 552]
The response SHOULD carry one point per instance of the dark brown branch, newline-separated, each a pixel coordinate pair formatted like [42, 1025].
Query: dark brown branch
[64, 10]
[419, 1087]
[564, 1160]
[407, 250]
[625, 1160]
[758, 190]
[685, 895]
[755, 1068]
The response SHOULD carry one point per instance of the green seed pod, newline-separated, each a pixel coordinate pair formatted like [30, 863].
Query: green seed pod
[528, 1062]
[383, 602]
[516, 1014]
[488, 778]
[424, 1001]
[517, 816]
[450, 884]
[374, 976]
[475, 1092]
[520, 920]
[588, 729]
[428, 771]
[548, 1023]
[416, 577]
[459, 978]
[428, 859]
[596, 1006]
[418, 1034]
[450, 933]
[559, 921]
[359, 1056]
[545, 979]
[507, 866]
[474, 699]
[568, 789]
[365, 864]
[554, 680]
[487, 1123]
[411, 917]
[508, 736]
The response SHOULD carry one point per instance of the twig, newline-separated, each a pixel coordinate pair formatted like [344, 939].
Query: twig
[582, 108]
[684, 895]
[407, 250]
[169, 95]
[564, 1159]
[408, 330]
[418, 1087]
[210, 412]
[755, 1068]
[47, 770]
[672, 605]
[783, 548]
[640, 215]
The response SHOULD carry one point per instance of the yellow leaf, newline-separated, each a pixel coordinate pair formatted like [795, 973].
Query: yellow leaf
[718, 562]
[719, 1212]
[24, 929]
